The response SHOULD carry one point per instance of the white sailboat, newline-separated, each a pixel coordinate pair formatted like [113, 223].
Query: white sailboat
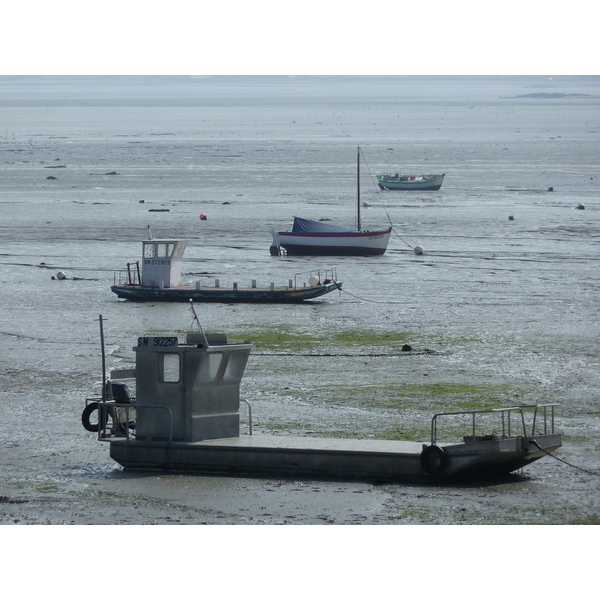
[317, 238]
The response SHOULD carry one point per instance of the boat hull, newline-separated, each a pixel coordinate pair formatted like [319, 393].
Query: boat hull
[497, 456]
[363, 243]
[339, 459]
[255, 295]
[386, 182]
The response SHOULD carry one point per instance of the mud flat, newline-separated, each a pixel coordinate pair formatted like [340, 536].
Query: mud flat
[498, 311]
[56, 473]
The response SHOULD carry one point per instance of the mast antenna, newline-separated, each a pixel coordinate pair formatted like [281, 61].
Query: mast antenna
[103, 357]
[197, 321]
[358, 189]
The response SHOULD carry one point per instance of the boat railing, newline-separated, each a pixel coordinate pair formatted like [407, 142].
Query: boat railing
[249, 414]
[122, 427]
[327, 274]
[545, 410]
[129, 276]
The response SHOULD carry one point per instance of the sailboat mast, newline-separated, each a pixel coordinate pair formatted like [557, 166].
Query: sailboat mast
[358, 189]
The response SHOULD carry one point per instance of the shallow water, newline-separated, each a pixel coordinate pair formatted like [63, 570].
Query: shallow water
[510, 303]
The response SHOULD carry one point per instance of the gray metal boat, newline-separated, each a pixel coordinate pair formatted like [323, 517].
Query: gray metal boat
[186, 418]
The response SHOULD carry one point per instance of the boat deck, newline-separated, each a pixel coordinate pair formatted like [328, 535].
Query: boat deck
[276, 456]
[223, 294]
[281, 442]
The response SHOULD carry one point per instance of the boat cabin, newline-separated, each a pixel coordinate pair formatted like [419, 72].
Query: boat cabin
[161, 262]
[189, 392]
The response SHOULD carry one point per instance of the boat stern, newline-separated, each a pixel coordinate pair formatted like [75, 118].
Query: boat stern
[492, 454]
[498, 456]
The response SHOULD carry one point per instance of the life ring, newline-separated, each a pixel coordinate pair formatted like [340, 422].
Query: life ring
[86, 414]
[433, 460]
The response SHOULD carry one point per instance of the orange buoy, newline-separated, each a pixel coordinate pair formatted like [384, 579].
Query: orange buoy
[202, 217]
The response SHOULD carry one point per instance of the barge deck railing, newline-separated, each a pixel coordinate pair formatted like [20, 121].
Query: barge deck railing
[326, 274]
[106, 434]
[105, 408]
[506, 419]
[132, 277]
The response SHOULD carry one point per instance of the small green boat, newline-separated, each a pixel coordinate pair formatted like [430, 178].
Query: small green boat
[410, 182]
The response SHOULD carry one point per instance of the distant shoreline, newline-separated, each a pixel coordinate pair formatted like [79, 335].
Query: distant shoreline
[549, 95]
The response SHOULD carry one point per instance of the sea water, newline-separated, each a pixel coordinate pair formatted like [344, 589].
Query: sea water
[511, 245]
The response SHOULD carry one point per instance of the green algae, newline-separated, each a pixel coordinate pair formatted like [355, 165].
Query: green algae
[438, 396]
[286, 337]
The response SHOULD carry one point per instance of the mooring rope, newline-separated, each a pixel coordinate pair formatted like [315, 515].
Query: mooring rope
[564, 461]
[367, 300]
[455, 185]
[382, 202]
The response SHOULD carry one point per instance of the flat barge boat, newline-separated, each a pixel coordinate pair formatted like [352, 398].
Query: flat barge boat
[186, 418]
[159, 279]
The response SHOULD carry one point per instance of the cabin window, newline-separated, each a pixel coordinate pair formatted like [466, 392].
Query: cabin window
[210, 367]
[149, 250]
[235, 366]
[164, 250]
[169, 367]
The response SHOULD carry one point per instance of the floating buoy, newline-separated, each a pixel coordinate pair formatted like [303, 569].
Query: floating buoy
[580, 207]
[419, 250]
[511, 218]
[550, 189]
[61, 275]
[202, 217]
[274, 250]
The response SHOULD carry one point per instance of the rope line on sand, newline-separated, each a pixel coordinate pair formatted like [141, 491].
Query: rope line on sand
[347, 355]
[564, 461]
[367, 300]
[382, 202]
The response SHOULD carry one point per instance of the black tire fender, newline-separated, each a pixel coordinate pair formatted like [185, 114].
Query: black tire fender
[87, 413]
[433, 460]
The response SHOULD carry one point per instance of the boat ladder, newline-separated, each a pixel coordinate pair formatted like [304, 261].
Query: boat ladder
[129, 276]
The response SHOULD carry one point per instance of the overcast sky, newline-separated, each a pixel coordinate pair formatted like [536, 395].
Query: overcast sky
[308, 37]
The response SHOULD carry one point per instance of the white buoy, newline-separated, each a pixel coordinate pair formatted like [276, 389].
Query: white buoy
[419, 250]
[313, 281]
[61, 275]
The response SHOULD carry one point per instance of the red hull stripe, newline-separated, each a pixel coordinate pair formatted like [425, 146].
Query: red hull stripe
[366, 234]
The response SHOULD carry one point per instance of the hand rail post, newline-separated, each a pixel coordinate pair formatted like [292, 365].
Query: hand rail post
[249, 415]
